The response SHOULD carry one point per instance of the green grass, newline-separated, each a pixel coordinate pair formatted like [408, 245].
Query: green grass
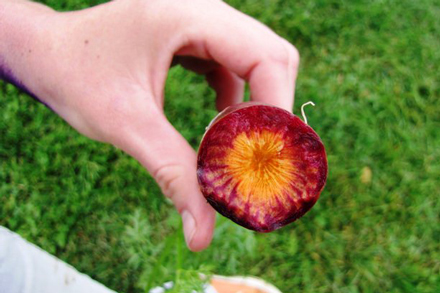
[372, 68]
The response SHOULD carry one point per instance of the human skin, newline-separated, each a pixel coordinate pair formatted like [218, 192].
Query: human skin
[103, 70]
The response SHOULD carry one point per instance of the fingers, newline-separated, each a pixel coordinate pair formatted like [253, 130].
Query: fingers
[197, 65]
[172, 162]
[228, 86]
[247, 48]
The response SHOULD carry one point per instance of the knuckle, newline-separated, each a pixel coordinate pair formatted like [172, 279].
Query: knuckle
[294, 55]
[287, 55]
[168, 177]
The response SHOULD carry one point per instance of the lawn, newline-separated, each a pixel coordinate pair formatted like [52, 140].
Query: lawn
[371, 67]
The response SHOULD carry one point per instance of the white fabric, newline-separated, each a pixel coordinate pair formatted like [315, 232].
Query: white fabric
[26, 268]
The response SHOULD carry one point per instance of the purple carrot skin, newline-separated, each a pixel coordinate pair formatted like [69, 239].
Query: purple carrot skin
[261, 166]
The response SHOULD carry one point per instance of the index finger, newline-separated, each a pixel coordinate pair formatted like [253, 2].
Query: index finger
[246, 47]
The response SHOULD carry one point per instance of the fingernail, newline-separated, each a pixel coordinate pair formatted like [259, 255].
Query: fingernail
[189, 226]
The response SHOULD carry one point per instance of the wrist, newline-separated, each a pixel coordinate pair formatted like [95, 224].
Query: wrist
[24, 30]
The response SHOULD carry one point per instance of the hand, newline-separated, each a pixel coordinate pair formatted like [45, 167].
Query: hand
[103, 70]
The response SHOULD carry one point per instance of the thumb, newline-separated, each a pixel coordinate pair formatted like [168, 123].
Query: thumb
[172, 162]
